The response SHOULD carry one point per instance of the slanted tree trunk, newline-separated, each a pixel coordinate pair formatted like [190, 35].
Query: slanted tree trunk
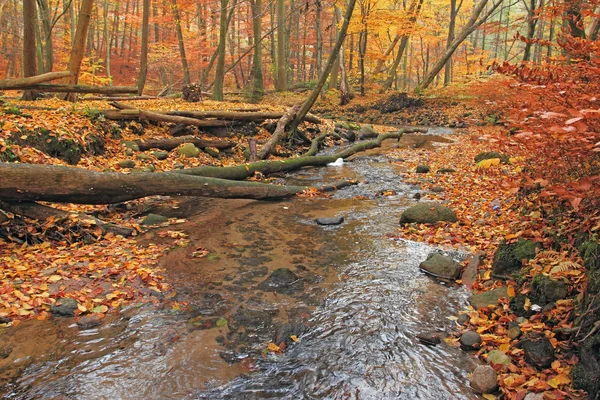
[184, 63]
[10, 84]
[144, 55]
[386, 54]
[478, 17]
[308, 103]
[279, 133]
[29, 45]
[78, 50]
[451, 32]
[220, 72]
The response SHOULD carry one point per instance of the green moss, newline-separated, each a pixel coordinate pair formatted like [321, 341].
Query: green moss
[590, 252]
[64, 149]
[585, 375]
[509, 257]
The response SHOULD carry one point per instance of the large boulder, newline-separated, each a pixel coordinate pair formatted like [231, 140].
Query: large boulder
[489, 298]
[509, 256]
[441, 266]
[427, 213]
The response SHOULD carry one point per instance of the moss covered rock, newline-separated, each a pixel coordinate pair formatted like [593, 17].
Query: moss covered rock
[509, 257]
[545, 290]
[489, 298]
[422, 169]
[441, 266]
[427, 213]
[188, 150]
[585, 375]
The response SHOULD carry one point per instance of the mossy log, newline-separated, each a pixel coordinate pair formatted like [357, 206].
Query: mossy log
[134, 114]
[171, 143]
[240, 172]
[59, 184]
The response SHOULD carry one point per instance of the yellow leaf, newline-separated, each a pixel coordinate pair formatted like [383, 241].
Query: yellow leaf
[560, 379]
[488, 163]
[273, 347]
[81, 308]
[294, 338]
[489, 397]
[505, 347]
[55, 278]
[511, 291]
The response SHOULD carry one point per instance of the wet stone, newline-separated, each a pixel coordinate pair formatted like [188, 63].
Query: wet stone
[470, 340]
[330, 221]
[64, 307]
[431, 338]
[284, 333]
[5, 350]
[252, 318]
[441, 266]
[89, 321]
[463, 318]
[484, 379]
[538, 350]
[282, 280]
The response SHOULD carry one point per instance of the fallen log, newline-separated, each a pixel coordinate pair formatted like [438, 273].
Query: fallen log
[240, 172]
[59, 184]
[119, 98]
[279, 132]
[64, 88]
[172, 143]
[133, 114]
[16, 84]
[41, 212]
[240, 115]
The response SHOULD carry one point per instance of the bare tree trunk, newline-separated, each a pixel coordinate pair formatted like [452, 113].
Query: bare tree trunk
[388, 51]
[184, 63]
[451, 32]
[144, 56]
[29, 45]
[281, 83]
[307, 105]
[474, 22]
[220, 72]
[258, 88]
[78, 50]
[319, 49]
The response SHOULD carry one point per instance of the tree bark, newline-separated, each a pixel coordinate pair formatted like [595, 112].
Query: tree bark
[132, 114]
[281, 82]
[29, 45]
[77, 52]
[144, 55]
[184, 63]
[60, 88]
[172, 143]
[32, 182]
[279, 133]
[9, 84]
[258, 88]
[307, 105]
[451, 33]
[240, 115]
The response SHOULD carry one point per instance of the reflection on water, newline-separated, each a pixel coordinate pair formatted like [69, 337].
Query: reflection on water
[362, 303]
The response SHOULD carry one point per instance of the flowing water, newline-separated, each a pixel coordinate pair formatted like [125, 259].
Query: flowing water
[357, 303]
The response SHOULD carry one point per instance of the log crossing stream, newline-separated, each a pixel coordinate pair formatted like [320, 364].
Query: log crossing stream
[355, 299]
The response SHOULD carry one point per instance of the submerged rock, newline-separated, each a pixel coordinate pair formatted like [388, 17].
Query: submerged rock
[282, 280]
[427, 213]
[89, 321]
[330, 221]
[64, 307]
[252, 318]
[441, 266]
[431, 338]
[484, 379]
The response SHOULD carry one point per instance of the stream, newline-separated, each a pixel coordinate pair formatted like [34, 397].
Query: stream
[356, 301]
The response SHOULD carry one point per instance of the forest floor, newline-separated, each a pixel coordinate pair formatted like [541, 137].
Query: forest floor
[45, 263]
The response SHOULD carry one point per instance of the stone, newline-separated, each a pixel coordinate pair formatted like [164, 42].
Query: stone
[585, 374]
[178, 165]
[437, 189]
[514, 332]
[130, 144]
[422, 169]
[349, 135]
[282, 280]
[128, 152]
[126, 164]
[484, 379]
[5, 350]
[431, 338]
[463, 319]
[284, 333]
[498, 357]
[188, 150]
[64, 307]
[160, 155]
[470, 340]
[252, 318]
[538, 350]
[212, 151]
[509, 257]
[330, 221]
[534, 396]
[144, 157]
[487, 155]
[89, 321]
[441, 266]
[446, 170]
[154, 219]
[489, 298]
[427, 213]
[545, 290]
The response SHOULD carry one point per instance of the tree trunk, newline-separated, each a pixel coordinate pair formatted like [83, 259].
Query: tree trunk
[144, 55]
[71, 89]
[531, 23]
[259, 116]
[220, 72]
[78, 50]
[319, 44]
[258, 88]
[474, 22]
[33, 182]
[172, 143]
[47, 26]
[29, 45]
[184, 63]
[281, 82]
[279, 133]
[451, 33]
[386, 54]
[10, 84]
[307, 105]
